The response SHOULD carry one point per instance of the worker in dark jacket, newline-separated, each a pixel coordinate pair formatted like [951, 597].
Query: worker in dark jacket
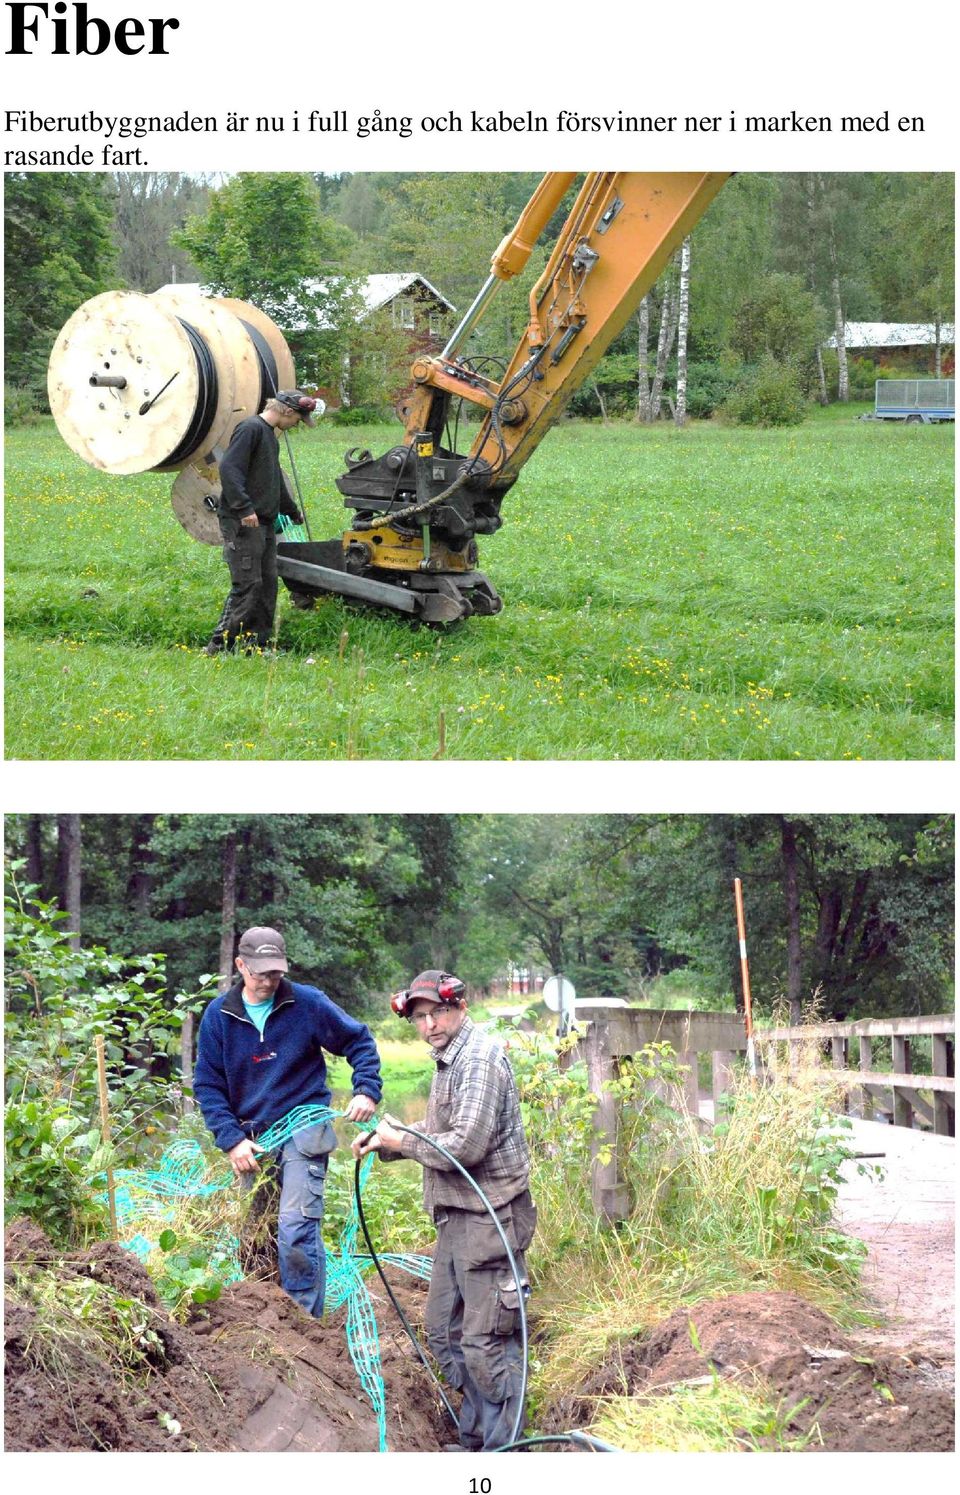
[472, 1313]
[260, 1055]
[252, 494]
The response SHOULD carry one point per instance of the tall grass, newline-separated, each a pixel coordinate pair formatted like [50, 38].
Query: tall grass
[705, 593]
[712, 1415]
[741, 1206]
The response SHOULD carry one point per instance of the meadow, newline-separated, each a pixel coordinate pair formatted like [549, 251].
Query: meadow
[710, 593]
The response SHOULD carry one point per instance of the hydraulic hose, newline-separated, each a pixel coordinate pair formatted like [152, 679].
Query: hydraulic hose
[595, 1445]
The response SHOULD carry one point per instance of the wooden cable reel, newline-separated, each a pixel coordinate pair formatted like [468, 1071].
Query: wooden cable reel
[158, 384]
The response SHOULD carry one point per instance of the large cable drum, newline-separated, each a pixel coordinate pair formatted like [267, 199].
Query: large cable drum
[151, 383]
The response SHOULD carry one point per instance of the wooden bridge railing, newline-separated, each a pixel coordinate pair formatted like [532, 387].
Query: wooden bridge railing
[624, 1031]
[899, 1090]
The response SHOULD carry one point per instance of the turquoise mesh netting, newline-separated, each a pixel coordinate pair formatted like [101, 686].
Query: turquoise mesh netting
[148, 1197]
[287, 530]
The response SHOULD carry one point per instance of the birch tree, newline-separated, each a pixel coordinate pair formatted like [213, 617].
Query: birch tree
[812, 280]
[643, 361]
[683, 323]
[668, 329]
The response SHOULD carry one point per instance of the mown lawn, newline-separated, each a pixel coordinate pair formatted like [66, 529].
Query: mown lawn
[709, 593]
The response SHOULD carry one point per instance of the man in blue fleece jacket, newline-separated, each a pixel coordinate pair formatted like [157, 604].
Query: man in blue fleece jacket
[260, 1054]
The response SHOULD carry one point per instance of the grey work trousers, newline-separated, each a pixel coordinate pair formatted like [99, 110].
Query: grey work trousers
[473, 1316]
[251, 556]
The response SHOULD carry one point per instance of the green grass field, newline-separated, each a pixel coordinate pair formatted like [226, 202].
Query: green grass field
[706, 593]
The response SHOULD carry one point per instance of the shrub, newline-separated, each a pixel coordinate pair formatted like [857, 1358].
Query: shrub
[558, 1110]
[60, 999]
[189, 1272]
[767, 395]
[51, 1163]
[708, 386]
[361, 415]
[19, 406]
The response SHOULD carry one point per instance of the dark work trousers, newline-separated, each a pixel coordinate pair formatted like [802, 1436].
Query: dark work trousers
[251, 555]
[302, 1167]
[473, 1317]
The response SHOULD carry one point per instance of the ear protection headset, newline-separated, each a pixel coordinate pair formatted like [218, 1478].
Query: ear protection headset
[448, 989]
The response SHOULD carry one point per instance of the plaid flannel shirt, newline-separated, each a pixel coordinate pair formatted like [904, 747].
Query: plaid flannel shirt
[474, 1112]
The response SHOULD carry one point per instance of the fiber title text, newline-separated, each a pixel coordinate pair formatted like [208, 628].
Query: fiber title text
[72, 29]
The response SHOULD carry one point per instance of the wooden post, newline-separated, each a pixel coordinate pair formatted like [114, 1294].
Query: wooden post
[691, 1080]
[722, 1070]
[611, 1197]
[943, 1115]
[902, 1109]
[838, 1059]
[866, 1063]
[186, 1061]
[105, 1130]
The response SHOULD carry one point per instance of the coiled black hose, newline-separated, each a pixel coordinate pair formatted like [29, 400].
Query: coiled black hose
[595, 1445]
[207, 397]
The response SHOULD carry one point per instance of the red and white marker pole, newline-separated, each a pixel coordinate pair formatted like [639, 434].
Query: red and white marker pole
[745, 976]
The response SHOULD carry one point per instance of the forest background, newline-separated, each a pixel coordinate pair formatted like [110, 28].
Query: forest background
[854, 911]
[778, 263]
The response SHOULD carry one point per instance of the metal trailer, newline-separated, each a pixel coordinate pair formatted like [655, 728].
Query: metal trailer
[913, 401]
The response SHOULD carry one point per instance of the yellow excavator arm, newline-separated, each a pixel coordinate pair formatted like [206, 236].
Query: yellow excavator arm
[140, 383]
[619, 235]
[421, 505]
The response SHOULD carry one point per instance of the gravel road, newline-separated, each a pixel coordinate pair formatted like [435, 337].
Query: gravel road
[907, 1222]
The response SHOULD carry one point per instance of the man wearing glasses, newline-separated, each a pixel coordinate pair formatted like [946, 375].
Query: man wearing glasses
[260, 1054]
[472, 1314]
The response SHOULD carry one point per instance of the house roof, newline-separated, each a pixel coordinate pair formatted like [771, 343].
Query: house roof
[893, 334]
[377, 290]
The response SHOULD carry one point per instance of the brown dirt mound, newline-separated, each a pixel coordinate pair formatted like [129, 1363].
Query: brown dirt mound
[249, 1372]
[859, 1399]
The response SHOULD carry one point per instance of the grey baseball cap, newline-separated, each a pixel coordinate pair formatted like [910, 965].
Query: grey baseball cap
[304, 405]
[263, 949]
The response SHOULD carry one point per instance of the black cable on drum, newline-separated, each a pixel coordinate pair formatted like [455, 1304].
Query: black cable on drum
[269, 374]
[270, 386]
[207, 397]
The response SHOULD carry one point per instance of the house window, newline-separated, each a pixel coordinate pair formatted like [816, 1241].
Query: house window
[403, 315]
[436, 324]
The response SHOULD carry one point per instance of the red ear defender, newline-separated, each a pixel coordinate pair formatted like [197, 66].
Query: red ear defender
[451, 989]
[399, 1003]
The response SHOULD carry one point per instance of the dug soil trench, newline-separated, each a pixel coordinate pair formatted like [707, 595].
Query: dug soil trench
[843, 1396]
[252, 1372]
